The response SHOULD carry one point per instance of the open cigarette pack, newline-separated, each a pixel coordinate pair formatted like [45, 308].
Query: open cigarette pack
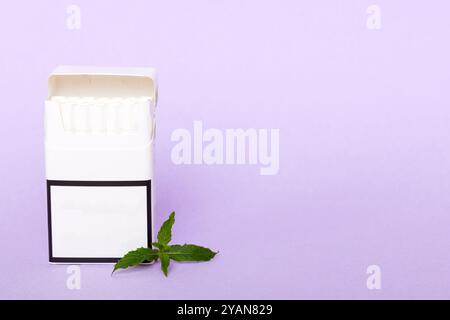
[99, 138]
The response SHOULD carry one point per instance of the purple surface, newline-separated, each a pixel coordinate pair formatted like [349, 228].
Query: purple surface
[364, 144]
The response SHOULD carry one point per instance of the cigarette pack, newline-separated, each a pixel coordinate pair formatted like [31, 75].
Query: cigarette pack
[99, 141]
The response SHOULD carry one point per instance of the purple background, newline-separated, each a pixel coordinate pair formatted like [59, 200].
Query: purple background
[364, 144]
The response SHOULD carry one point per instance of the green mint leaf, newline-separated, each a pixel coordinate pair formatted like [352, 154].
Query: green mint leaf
[189, 252]
[165, 233]
[165, 261]
[136, 257]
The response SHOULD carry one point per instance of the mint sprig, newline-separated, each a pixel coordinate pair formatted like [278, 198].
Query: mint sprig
[164, 251]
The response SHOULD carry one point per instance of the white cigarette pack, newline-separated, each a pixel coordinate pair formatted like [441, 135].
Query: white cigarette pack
[99, 138]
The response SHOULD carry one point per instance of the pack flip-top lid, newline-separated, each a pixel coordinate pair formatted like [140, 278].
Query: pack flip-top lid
[104, 156]
[103, 82]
